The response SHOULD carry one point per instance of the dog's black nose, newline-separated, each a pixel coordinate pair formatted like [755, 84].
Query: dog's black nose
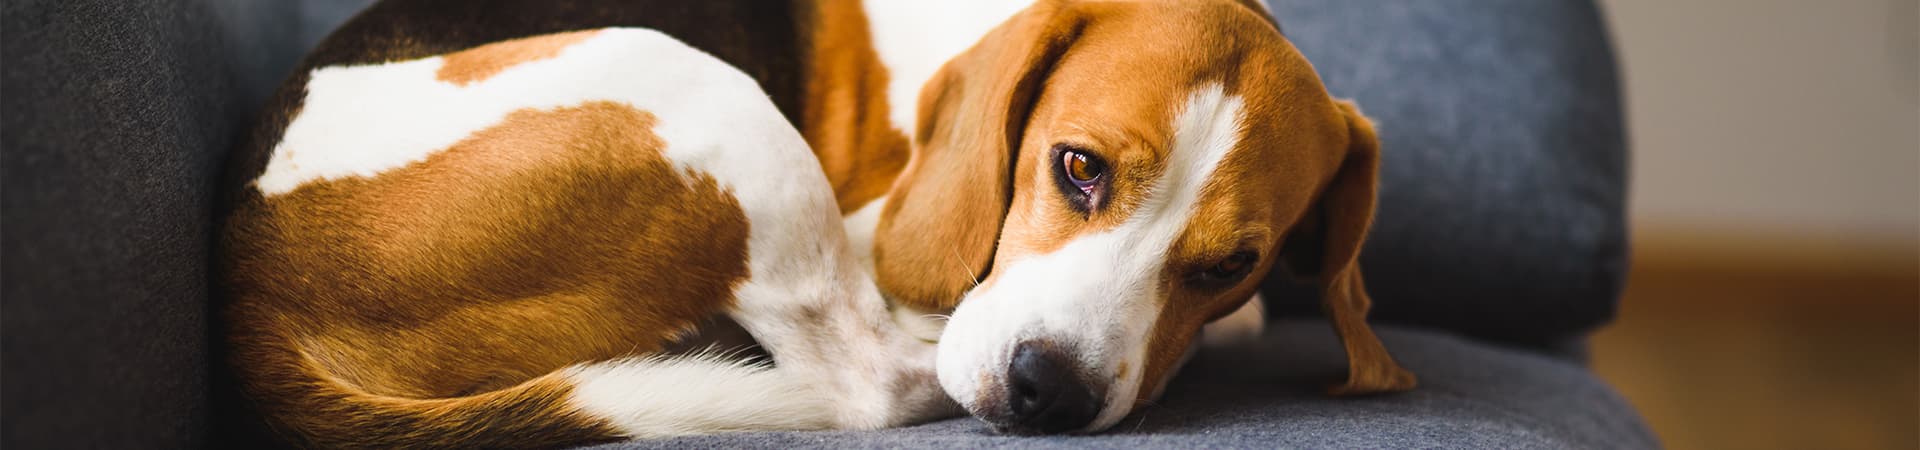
[1044, 393]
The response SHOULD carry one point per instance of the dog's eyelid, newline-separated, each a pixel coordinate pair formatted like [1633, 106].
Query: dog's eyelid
[1246, 248]
[1085, 195]
[1078, 146]
[1202, 268]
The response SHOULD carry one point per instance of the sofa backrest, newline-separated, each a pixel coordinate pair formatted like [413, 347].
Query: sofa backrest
[1503, 180]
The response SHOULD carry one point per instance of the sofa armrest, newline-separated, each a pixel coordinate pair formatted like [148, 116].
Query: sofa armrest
[116, 116]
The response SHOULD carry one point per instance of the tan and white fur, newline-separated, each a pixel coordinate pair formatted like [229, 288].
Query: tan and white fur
[429, 233]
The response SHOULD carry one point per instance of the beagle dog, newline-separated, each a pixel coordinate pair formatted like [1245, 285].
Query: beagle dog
[1079, 187]
[474, 224]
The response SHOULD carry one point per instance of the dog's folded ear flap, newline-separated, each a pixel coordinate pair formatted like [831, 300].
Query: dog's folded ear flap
[938, 230]
[1325, 246]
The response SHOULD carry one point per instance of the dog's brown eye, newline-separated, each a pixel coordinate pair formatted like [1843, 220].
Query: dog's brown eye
[1081, 176]
[1228, 270]
[1232, 265]
[1082, 169]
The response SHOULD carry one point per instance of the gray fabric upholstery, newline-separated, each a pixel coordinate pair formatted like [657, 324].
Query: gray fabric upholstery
[270, 36]
[1503, 186]
[1268, 395]
[115, 116]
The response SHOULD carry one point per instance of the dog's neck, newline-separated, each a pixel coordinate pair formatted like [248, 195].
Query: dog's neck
[865, 66]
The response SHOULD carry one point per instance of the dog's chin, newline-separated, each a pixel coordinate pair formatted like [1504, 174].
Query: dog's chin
[1002, 423]
[1000, 420]
[992, 409]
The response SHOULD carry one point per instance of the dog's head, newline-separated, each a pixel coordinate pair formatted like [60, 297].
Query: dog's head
[1092, 182]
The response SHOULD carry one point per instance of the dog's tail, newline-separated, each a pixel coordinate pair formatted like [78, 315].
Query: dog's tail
[582, 404]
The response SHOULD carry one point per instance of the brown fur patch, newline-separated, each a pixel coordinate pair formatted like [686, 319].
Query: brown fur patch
[553, 238]
[480, 63]
[845, 118]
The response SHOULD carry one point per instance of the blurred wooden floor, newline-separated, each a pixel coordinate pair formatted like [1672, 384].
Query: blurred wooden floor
[1753, 345]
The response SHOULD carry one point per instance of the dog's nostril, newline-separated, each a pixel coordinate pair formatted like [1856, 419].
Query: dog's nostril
[1024, 393]
[1044, 394]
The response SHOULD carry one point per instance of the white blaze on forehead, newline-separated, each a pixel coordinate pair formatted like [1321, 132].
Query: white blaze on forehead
[1098, 294]
[1203, 132]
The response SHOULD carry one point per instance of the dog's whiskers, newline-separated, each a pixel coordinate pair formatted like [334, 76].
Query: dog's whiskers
[963, 268]
[1142, 421]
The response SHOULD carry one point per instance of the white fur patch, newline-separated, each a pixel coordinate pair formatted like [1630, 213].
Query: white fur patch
[1104, 315]
[915, 37]
[703, 393]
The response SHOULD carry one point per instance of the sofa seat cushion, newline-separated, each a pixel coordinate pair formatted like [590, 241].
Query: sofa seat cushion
[1268, 394]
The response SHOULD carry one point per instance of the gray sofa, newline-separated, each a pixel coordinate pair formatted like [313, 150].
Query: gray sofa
[1500, 240]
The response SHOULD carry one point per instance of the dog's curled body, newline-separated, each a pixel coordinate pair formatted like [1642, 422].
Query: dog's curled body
[489, 248]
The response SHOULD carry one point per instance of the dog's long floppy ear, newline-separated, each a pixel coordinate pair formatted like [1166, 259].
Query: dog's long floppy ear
[1325, 246]
[938, 230]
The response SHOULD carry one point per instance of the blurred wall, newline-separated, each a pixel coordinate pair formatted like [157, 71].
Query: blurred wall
[1774, 118]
